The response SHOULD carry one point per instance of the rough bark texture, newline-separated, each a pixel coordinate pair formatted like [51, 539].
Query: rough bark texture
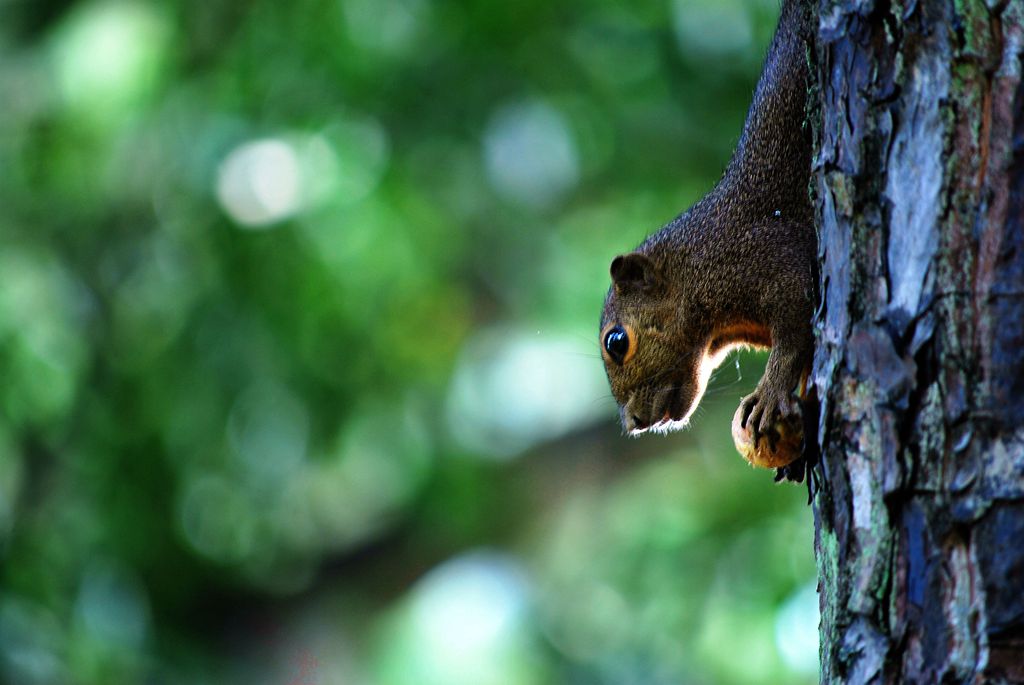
[920, 362]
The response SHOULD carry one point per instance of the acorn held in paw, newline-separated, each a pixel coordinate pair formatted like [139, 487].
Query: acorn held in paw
[787, 439]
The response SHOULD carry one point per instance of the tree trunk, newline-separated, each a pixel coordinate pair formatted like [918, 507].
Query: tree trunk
[919, 509]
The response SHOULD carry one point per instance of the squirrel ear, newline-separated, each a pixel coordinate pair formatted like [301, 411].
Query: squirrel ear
[634, 271]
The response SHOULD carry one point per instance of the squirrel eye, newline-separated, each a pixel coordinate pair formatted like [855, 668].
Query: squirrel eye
[617, 344]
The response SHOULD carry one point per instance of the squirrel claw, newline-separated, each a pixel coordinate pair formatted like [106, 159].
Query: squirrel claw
[761, 415]
[748, 406]
[783, 434]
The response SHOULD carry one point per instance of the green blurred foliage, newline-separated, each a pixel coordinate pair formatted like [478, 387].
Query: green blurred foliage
[297, 335]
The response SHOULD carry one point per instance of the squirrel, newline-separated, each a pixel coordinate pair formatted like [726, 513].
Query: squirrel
[738, 269]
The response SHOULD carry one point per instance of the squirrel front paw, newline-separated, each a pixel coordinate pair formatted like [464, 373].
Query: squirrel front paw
[761, 410]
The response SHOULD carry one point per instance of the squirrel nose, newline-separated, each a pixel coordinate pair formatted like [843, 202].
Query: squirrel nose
[633, 422]
[636, 416]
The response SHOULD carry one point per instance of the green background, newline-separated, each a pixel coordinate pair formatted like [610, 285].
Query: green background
[298, 349]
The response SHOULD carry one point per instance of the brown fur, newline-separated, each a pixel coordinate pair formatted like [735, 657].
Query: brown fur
[737, 268]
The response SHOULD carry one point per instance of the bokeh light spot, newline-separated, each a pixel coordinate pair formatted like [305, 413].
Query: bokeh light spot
[31, 640]
[467, 606]
[259, 182]
[40, 321]
[361, 149]
[712, 29]
[796, 630]
[530, 153]
[217, 519]
[511, 390]
[466, 623]
[108, 54]
[263, 182]
[112, 605]
[268, 429]
[388, 27]
[381, 457]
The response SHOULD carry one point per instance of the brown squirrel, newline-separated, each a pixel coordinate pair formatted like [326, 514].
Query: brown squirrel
[739, 268]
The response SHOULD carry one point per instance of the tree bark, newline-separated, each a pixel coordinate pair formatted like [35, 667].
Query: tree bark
[919, 176]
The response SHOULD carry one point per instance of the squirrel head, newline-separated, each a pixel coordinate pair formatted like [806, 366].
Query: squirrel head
[653, 356]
